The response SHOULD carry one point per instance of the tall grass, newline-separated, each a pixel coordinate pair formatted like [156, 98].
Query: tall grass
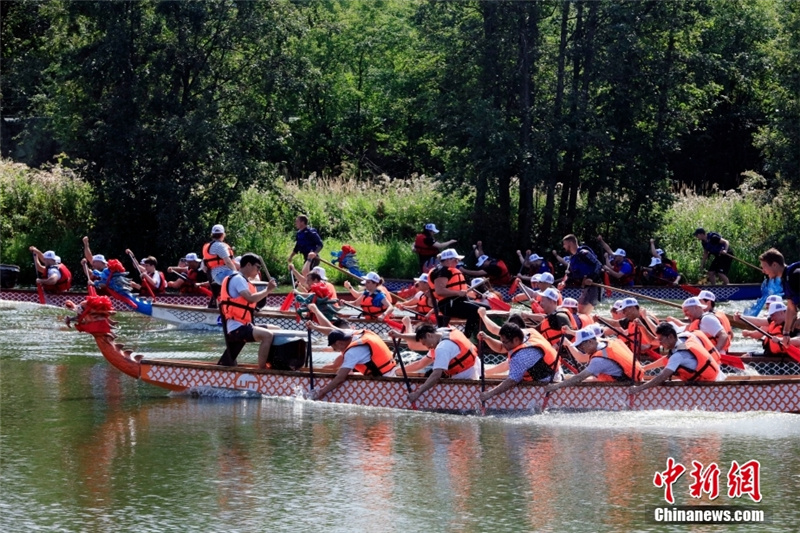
[747, 218]
[50, 209]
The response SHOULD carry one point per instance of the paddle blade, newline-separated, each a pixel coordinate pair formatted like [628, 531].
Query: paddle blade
[287, 302]
[607, 281]
[393, 324]
[694, 291]
[731, 360]
[794, 352]
[498, 305]
[514, 286]
[408, 292]
[40, 292]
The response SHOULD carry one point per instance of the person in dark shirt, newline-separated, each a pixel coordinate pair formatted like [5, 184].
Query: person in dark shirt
[307, 240]
[427, 248]
[714, 244]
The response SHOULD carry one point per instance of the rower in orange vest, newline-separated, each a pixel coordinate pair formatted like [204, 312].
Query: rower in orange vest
[688, 360]
[608, 360]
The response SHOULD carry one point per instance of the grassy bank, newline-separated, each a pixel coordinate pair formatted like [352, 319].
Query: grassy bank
[52, 209]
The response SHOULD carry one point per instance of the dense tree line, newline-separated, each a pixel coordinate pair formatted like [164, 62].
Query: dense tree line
[554, 116]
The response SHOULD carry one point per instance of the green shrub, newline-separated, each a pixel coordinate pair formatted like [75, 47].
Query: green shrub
[50, 209]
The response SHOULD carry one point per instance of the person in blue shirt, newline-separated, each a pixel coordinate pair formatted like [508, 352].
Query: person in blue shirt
[714, 244]
[307, 240]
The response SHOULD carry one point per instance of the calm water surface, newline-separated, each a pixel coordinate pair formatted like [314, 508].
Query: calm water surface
[85, 448]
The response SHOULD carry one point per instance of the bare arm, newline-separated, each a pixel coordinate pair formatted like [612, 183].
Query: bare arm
[507, 383]
[658, 380]
[574, 380]
[341, 375]
[432, 380]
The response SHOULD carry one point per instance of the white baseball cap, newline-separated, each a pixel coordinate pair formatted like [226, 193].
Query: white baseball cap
[477, 281]
[597, 328]
[617, 305]
[547, 277]
[655, 261]
[776, 308]
[619, 252]
[659, 251]
[191, 256]
[629, 302]
[422, 277]
[689, 302]
[237, 259]
[481, 260]
[550, 292]
[450, 253]
[319, 271]
[50, 254]
[570, 302]
[217, 229]
[707, 295]
[431, 227]
[534, 257]
[536, 278]
[99, 257]
[371, 276]
[583, 335]
[772, 298]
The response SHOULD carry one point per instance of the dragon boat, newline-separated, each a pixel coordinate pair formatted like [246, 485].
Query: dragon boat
[735, 394]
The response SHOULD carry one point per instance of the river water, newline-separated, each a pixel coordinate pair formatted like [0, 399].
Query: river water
[85, 448]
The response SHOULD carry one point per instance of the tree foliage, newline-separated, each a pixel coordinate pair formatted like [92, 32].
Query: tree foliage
[549, 116]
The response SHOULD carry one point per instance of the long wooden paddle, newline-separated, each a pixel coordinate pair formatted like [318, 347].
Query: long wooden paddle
[389, 322]
[400, 298]
[403, 369]
[39, 288]
[495, 303]
[145, 284]
[793, 351]
[636, 295]
[483, 373]
[751, 265]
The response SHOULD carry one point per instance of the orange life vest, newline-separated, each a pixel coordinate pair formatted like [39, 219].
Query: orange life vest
[771, 347]
[636, 331]
[457, 282]
[423, 249]
[545, 367]
[695, 326]
[467, 352]
[237, 308]
[381, 357]
[707, 344]
[707, 368]
[64, 282]
[423, 305]
[214, 261]
[726, 325]
[552, 334]
[368, 305]
[620, 354]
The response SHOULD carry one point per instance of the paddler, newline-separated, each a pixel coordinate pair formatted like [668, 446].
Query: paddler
[217, 261]
[620, 269]
[774, 325]
[608, 360]
[530, 358]
[709, 301]
[584, 270]
[704, 321]
[237, 303]
[52, 274]
[688, 360]
[494, 344]
[452, 353]
[554, 319]
[191, 279]
[361, 351]
[421, 302]
[774, 266]
[374, 303]
[713, 244]
[153, 280]
[450, 290]
[495, 270]
[105, 274]
[570, 305]
[427, 248]
[639, 326]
